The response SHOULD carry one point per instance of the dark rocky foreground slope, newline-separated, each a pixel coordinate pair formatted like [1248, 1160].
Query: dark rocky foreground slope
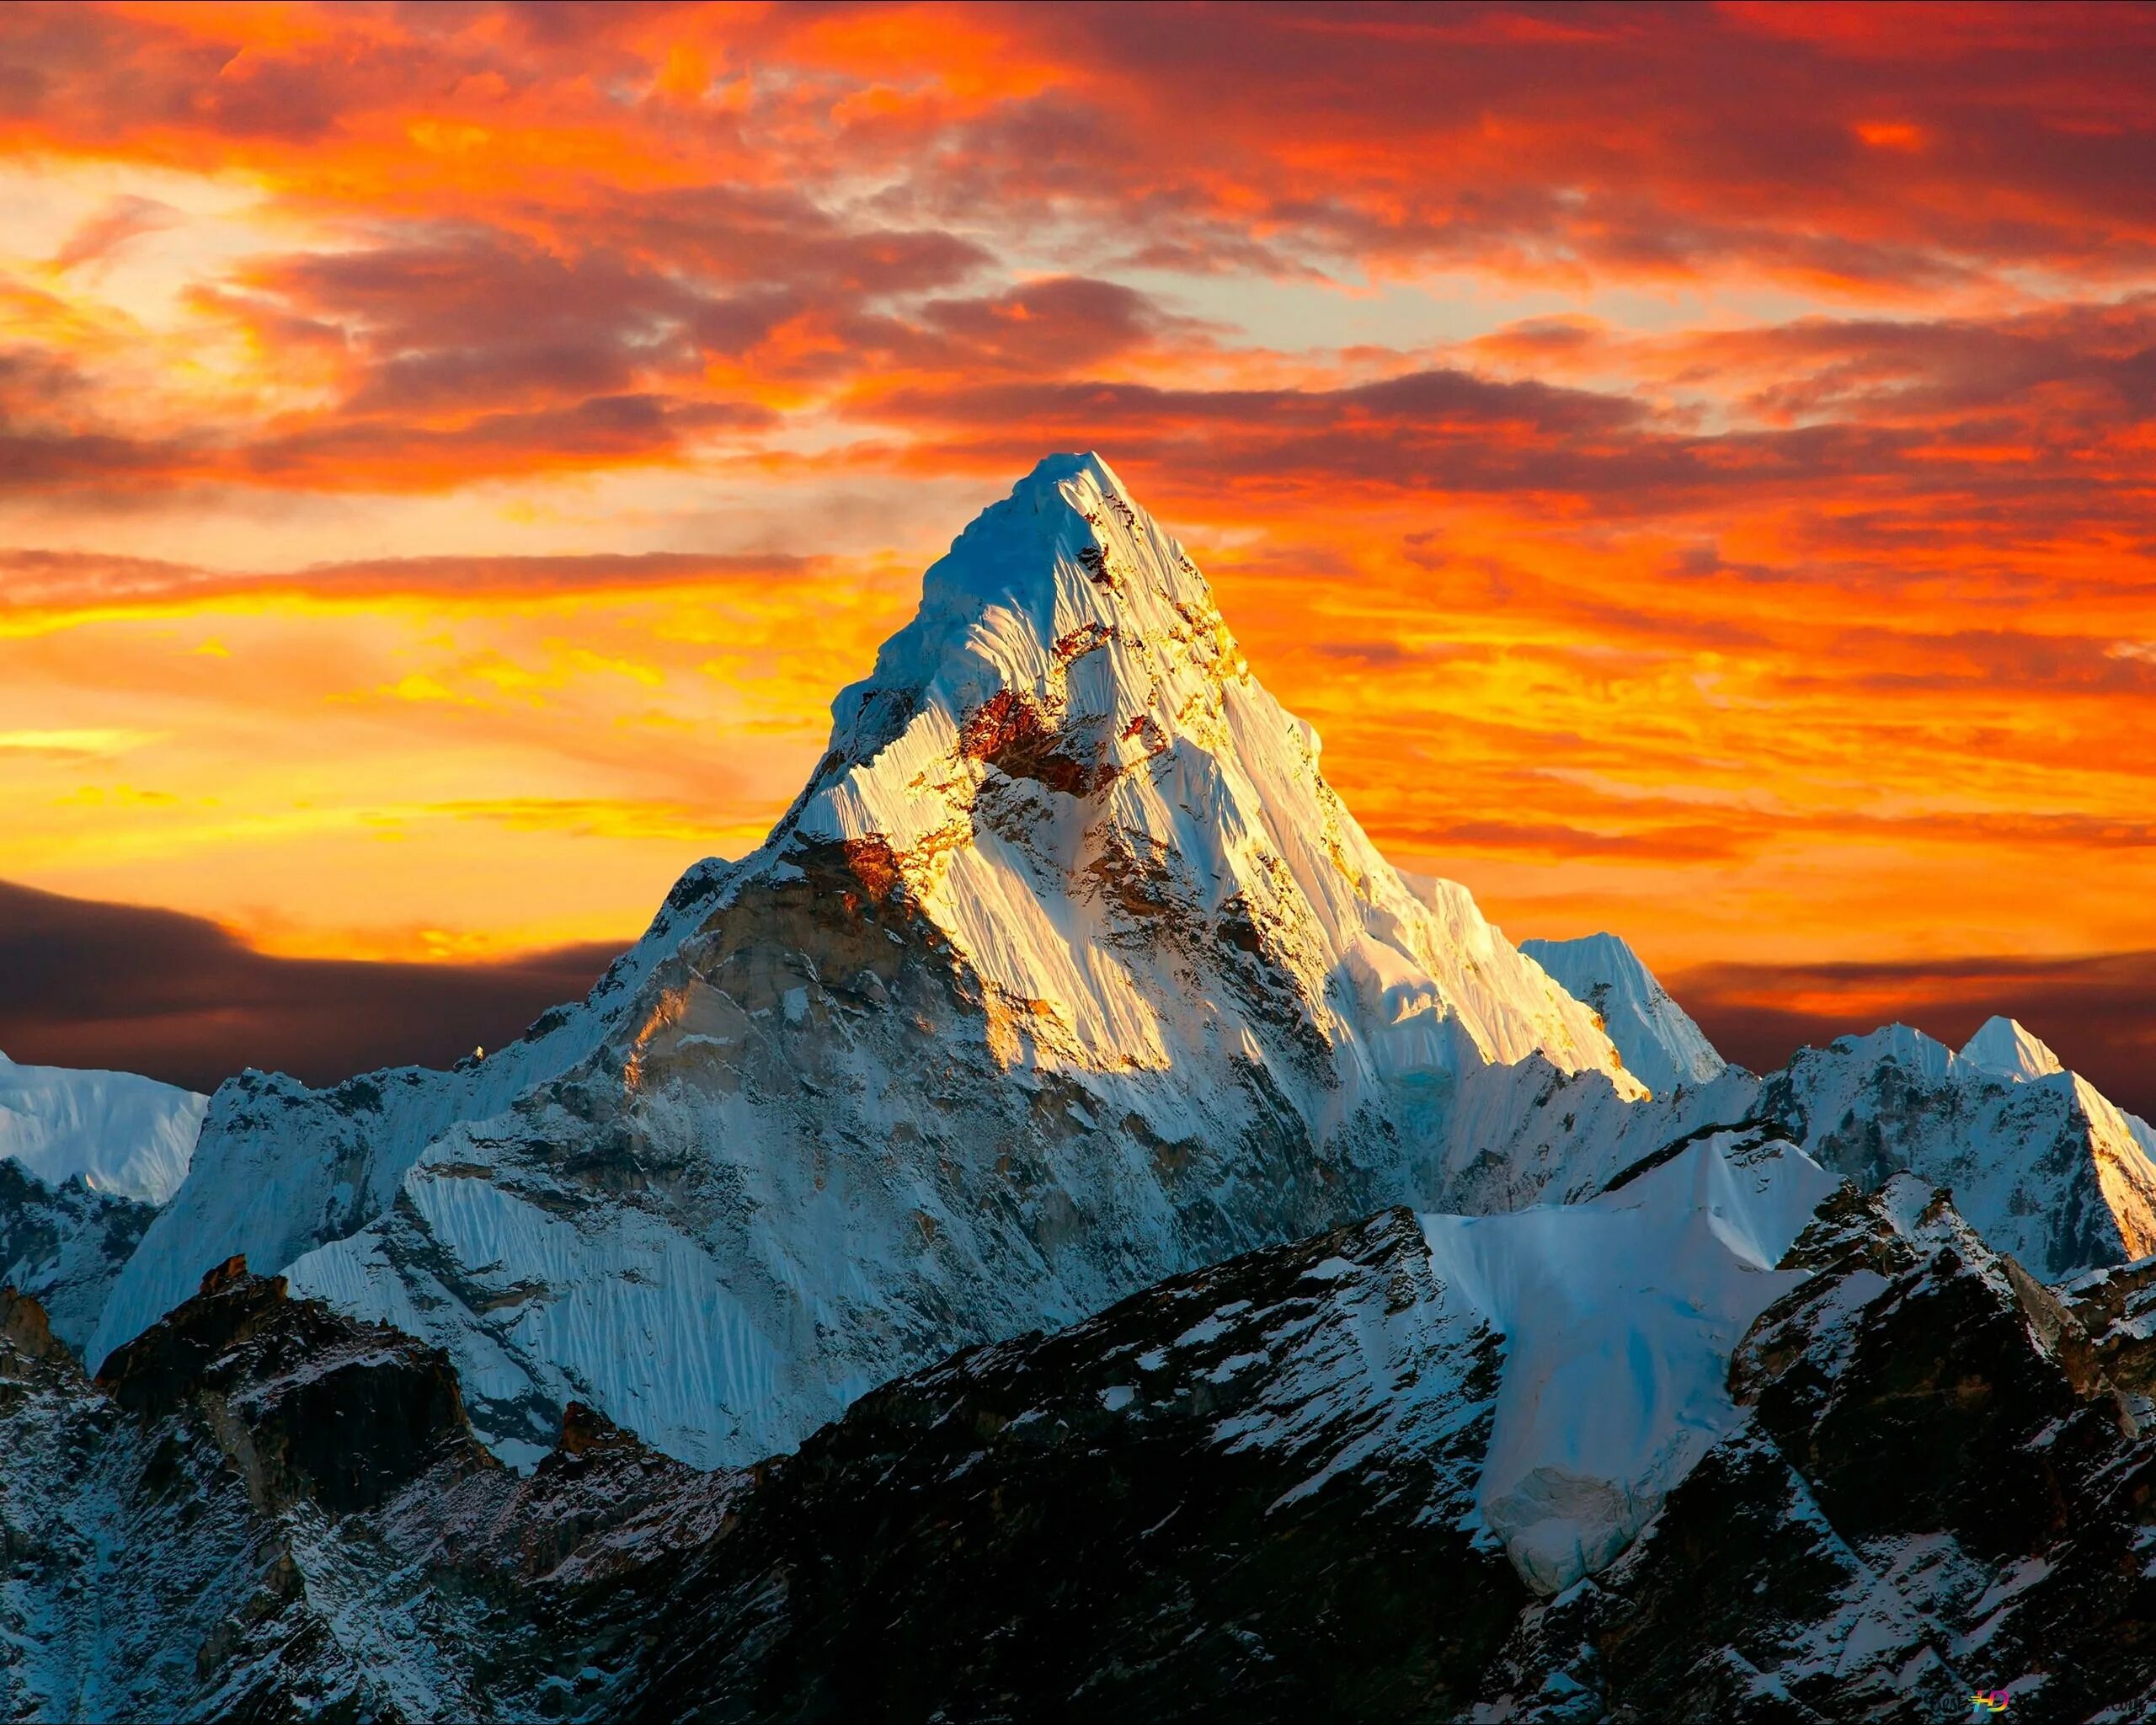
[1940, 1490]
[1242, 1495]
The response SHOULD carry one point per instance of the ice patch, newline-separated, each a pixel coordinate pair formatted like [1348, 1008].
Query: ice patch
[1619, 1317]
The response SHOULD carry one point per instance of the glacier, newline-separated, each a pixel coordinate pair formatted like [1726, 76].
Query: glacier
[1619, 1317]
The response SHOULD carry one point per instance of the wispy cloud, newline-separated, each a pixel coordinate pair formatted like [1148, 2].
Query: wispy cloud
[91, 741]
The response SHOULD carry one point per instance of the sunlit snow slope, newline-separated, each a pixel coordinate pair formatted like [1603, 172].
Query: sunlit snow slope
[2040, 1163]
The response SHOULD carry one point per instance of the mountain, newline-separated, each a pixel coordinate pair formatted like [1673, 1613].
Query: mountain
[64, 1245]
[1066, 971]
[1065, 1229]
[1662, 1047]
[274, 1508]
[116, 1132]
[1894, 1471]
[177, 1532]
[2040, 1162]
[86, 1158]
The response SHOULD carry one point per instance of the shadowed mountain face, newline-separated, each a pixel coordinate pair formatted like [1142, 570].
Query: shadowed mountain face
[1942, 1487]
[64, 1245]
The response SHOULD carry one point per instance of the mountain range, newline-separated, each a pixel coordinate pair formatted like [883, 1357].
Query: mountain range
[1066, 1226]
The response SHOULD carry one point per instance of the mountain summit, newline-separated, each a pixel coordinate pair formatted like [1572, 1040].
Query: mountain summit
[1065, 761]
[2004, 1047]
[1660, 1043]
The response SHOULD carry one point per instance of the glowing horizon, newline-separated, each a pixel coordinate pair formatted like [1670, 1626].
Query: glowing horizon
[1694, 466]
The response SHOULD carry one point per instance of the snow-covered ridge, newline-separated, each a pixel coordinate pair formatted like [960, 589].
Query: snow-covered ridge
[2041, 1163]
[120, 1134]
[279, 1168]
[1661, 1045]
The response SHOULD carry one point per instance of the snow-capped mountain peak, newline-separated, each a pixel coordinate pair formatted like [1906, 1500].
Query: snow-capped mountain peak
[1064, 761]
[120, 1133]
[2005, 1048]
[2041, 1163]
[1661, 1045]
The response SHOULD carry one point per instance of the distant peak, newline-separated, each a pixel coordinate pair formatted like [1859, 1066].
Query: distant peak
[1661, 1045]
[2005, 1048]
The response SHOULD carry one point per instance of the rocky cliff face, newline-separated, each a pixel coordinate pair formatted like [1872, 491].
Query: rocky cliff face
[66, 1245]
[187, 1537]
[1939, 1490]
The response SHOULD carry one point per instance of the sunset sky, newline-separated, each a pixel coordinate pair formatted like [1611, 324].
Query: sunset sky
[1696, 467]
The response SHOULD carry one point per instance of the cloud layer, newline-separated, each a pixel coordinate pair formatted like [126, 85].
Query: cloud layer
[121, 987]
